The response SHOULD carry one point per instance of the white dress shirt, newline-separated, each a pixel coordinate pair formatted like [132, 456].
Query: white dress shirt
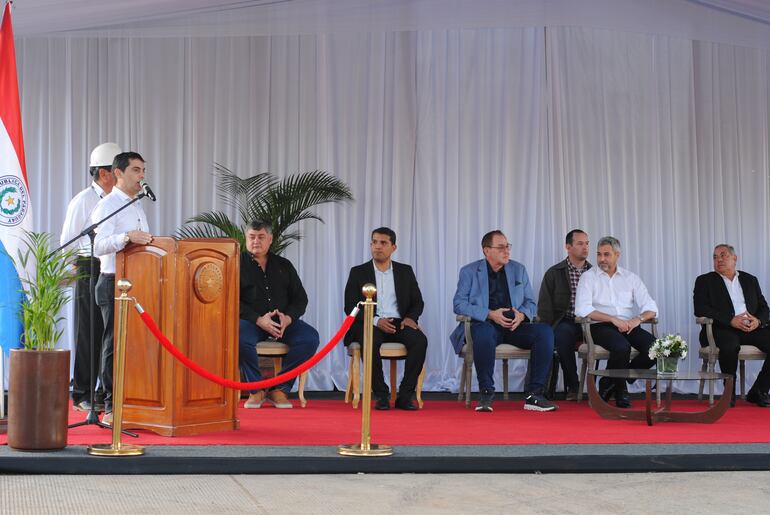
[110, 236]
[736, 293]
[614, 296]
[78, 217]
[387, 307]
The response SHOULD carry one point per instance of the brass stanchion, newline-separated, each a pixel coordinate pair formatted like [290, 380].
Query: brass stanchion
[117, 448]
[366, 447]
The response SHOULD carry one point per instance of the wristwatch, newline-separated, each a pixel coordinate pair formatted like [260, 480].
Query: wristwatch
[126, 239]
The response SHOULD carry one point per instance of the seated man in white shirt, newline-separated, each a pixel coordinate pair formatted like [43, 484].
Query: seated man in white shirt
[619, 301]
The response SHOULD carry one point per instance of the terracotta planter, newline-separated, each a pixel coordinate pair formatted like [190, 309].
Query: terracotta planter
[38, 399]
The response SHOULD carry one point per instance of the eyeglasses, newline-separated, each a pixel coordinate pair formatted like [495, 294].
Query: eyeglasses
[501, 247]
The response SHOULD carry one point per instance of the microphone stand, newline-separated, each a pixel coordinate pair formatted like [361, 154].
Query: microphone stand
[93, 416]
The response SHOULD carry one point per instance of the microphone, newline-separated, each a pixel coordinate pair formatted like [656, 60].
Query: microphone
[147, 191]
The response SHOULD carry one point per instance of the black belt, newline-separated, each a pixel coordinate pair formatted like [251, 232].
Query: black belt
[108, 275]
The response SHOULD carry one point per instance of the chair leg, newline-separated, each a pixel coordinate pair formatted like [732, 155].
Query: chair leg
[356, 358]
[505, 379]
[582, 384]
[461, 389]
[553, 376]
[348, 387]
[302, 381]
[702, 381]
[468, 382]
[277, 365]
[393, 365]
[418, 393]
[743, 379]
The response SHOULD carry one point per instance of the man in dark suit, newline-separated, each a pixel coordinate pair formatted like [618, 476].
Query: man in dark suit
[734, 300]
[399, 306]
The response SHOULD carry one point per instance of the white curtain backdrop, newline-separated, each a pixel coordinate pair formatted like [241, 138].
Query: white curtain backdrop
[442, 134]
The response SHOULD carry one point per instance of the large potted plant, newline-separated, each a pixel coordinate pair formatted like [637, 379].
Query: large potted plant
[39, 373]
[279, 202]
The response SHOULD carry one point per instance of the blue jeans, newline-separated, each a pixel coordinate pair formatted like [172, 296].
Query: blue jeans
[301, 338]
[536, 337]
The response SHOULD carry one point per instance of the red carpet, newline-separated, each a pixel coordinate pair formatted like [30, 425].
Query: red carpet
[331, 422]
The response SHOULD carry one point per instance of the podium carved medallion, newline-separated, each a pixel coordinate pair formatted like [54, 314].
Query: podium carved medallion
[208, 282]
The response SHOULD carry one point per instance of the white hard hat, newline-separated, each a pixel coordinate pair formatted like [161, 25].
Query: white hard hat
[104, 154]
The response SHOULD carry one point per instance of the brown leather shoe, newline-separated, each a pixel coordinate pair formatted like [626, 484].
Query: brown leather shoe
[279, 399]
[255, 400]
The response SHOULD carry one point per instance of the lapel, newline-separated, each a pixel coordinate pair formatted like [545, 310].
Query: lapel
[748, 290]
[512, 282]
[483, 279]
[399, 285]
[368, 275]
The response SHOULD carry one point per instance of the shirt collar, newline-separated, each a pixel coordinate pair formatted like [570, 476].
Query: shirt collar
[573, 267]
[120, 194]
[619, 271]
[390, 267]
[728, 280]
[98, 189]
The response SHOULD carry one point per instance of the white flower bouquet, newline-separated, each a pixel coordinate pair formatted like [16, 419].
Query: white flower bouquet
[670, 346]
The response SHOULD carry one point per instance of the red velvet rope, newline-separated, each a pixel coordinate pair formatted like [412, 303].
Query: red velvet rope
[238, 385]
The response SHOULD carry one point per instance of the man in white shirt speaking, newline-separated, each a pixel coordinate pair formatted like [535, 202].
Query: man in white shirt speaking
[128, 226]
[77, 219]
[619, 301]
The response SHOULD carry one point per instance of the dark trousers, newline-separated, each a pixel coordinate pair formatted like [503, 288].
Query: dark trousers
[536, 337]
[105, 298]
[86, 373]
[619, 346]
[729, 342]
[416, 344]
[566, 334]
[301, 338]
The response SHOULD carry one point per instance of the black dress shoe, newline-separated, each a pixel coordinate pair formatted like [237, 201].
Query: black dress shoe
[382, 404]
[405, 404]
[760, 399]
[622, 400]
[606, 388]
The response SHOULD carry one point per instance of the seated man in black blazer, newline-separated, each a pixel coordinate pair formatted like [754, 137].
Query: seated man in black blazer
[734, 300]
[399, 305]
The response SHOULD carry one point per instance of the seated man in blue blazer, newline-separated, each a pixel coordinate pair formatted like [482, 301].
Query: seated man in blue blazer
[496, 293]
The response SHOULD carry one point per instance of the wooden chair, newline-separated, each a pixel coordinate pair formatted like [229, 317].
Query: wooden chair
[589, 352]
[392, 351]
[710, 354]
[503, 352]
[276, 351]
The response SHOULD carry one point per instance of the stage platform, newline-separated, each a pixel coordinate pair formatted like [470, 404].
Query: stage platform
[445, 437]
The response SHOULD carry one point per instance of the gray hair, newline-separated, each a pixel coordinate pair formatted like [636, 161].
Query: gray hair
[258, 225]
[727, 246]
[609, 240]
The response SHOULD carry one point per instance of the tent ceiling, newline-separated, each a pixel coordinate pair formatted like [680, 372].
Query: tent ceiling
[241, 17]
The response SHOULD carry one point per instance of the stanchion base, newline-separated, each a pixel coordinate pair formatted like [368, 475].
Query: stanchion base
[354, 449]
[106, 449]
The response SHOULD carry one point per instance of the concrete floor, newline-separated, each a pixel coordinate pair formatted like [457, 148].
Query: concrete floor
[698, 492]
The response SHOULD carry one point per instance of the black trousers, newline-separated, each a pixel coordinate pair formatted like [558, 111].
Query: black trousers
[619, 345]
[105, 298]
[416, 344]
[729, 342]
[85, 303]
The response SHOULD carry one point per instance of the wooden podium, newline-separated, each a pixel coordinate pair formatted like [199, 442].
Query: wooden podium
[190, 287]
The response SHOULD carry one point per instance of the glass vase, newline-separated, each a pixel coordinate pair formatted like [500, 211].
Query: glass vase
[667, 365]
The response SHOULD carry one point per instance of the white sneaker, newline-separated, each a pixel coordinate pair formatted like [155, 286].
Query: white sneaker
[279, 399]
[255, 400]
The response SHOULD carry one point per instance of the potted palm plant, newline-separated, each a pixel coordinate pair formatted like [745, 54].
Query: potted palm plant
[264, 197]
[39, 373]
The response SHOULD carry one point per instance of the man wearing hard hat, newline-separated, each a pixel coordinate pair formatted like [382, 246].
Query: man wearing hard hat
[78, 218]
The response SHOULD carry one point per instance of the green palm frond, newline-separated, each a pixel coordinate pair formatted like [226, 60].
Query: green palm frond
[282, 203]
[212, 224]
[45, 291]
